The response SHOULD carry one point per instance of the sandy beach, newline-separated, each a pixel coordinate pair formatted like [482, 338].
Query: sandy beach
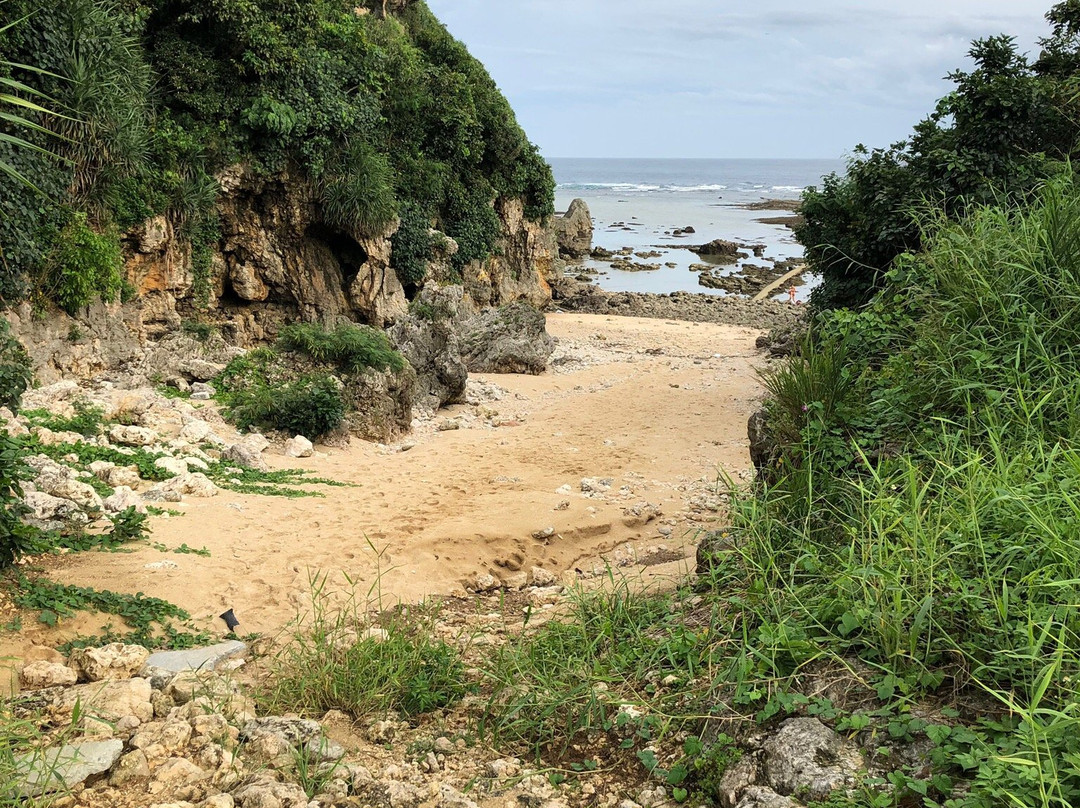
[654, 411]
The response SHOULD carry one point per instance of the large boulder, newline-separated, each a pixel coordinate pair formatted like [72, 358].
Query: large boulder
[109, 662]
[510, 339]
[64, 767]
[574, 230]
[429, 339]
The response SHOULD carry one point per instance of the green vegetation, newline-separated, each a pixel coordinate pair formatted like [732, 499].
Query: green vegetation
[298, 386]
[380, 116]
[353, 348]
[922, 514]
[15, 374]
[338, 658]
[150, 619]
[1006, 126]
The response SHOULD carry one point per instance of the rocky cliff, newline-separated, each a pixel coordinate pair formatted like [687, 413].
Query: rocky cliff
[275, 262]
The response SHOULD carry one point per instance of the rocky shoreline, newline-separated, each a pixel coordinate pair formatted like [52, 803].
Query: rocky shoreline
[569, 294]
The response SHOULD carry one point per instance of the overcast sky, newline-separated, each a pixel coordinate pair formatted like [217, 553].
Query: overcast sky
[726, 78]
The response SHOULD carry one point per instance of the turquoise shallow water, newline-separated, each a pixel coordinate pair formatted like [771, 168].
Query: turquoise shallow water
[637, 203]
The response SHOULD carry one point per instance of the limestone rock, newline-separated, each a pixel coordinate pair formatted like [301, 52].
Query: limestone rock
[574, 230]
[161, 740]
[103, 704]
[265, 793]
[738, 777]
[131, 768]
[62, 768]
[153, 234]
[246, 456]
[81, 494]
[109, 662]
[538, 576]
[50, 395]
[807, 757]
[174, 774]
[40, 674]
[725, 251]
[761, 797]
[123, 475]
[299, 446]
[428, 338]
[193, 484]
[122, 499]
[197, 659]
[132, 435]
[246, 282]
[200, 370]
[51, 513]
[511, 339]
[173, 465]
[196, 432]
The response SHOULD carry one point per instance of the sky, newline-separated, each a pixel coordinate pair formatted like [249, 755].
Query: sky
[727, 78]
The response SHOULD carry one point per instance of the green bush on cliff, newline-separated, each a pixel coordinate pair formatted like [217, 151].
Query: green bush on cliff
[377, 114]
[353, 348]
[15, 374]
[82, 265]
[297, 386]
[412, 245]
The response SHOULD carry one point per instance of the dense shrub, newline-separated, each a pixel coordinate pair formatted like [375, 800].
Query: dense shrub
[15, 536]
[297, 386]
[310, 405]
[997, 134]
[353, 348]
[15, 374]
[412, 245]
[82, 265]
[358, 195]
[923, 516]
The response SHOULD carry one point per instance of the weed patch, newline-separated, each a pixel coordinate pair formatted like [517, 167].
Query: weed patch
[339, 658]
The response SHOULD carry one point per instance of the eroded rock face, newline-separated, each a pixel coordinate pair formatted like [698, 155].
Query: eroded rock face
[525, 260]
[428, 338]
[574, 230]
[510, 339]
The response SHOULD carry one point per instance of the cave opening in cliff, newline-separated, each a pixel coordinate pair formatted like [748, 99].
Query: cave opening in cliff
[348, 254]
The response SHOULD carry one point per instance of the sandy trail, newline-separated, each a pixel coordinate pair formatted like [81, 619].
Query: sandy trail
[660, 407]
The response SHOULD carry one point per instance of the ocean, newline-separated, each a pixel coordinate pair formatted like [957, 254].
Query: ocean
[638, 203]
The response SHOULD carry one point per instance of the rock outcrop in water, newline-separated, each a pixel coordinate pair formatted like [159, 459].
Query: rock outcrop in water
[575, 230]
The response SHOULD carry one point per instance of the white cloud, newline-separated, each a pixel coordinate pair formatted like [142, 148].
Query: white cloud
[726, 77]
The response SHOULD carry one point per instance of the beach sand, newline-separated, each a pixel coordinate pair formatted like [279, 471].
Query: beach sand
[659, 407]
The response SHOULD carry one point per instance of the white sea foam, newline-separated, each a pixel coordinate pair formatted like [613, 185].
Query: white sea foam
[638, 187]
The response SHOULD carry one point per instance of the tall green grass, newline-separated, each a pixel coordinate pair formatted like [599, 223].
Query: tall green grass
[926, 518]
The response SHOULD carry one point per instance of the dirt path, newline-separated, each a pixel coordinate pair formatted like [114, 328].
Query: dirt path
[657, 407]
